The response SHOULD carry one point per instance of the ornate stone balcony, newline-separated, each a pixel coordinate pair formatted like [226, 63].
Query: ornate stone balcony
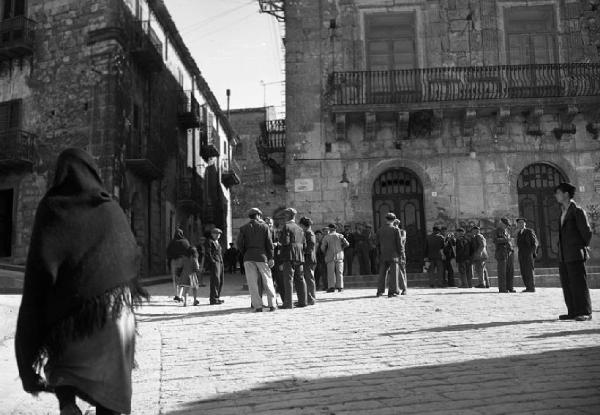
[18, 149]
[17, 37]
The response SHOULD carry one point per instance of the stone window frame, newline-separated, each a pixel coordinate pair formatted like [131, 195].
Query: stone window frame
[502, 5]
[417, 8]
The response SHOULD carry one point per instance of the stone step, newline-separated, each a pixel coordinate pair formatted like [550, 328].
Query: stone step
[422, 280]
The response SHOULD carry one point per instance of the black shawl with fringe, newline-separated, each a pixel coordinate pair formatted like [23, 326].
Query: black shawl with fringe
[82, 258]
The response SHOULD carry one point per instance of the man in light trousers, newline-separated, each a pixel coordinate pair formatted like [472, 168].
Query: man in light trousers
[333, 247]
[256, 245]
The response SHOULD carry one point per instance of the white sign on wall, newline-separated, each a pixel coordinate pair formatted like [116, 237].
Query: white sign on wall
[303, 185]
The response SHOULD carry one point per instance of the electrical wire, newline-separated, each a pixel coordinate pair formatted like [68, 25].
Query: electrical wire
[210, 20]
[201, 36]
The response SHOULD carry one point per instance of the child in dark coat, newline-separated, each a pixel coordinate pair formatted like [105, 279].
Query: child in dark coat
[214, 261]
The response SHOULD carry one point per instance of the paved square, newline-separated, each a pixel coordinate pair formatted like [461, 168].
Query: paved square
[432, 351]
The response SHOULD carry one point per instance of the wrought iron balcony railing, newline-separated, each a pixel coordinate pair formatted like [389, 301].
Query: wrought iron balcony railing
[18, 149]
[464, 84]
[272, 139]
[209, 144]
[188, 112]
[231, 174]
[144, 157]
[146, 47]
[17, 37]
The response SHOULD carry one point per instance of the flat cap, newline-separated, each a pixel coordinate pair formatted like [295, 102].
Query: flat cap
[331, 226]
[216, 230]
[290, 211]
[523, 219]
[505, 221]
[390, 216]
[254, 211]
[460, 230]
[475, 227]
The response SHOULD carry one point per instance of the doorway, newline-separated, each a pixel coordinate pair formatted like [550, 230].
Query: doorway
[6, 222]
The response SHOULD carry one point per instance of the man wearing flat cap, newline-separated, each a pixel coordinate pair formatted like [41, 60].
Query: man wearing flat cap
[434, 244]
[504, 257]
[256, 245]
[574, 238]
[527, 244]
[332, 246]
[293, 244]
[463, 258]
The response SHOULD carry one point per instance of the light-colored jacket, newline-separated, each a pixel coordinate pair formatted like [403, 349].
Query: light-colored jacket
[333, 245]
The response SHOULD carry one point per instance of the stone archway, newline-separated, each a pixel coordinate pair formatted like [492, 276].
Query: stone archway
[399, 190]
[535, 190]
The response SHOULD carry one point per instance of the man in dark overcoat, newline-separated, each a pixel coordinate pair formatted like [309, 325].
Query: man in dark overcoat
[434, 244]
[390, 250]
[527, 243]
[293, 243]
[504, 257]
[574, 239]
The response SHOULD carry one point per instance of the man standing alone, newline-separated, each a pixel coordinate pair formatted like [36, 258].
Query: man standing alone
[292, 242]
[574, 239]
[256, 246]
[527, 243]
[504, 257]
[310, 260]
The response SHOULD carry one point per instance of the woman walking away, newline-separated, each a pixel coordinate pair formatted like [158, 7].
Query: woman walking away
[189, 276]
[177, 250]
[76, 327]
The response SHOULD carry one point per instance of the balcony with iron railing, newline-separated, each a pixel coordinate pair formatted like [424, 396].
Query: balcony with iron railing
[231, 174]
[476, 86]
[144, 158]
[189, 193]
[17, 149]
[272, 139]
[209, 144]
[146, 47]
[188, 111]
[17, 36]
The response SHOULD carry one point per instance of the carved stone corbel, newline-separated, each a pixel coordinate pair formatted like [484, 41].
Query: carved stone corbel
[501, 119]
[469, 122]
[566, 125]
[533, 122]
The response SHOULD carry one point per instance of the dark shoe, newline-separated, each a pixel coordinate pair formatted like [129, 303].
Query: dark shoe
[258, 310]
[583, 317]
[480, 286]
[403, 292]
[297, 304]
[215, 303]
[340, 290]
[378, 294]
[311, 303]
[272, 308]
[177, 298]
[503, 292]
[431, 286]
[512, 291]
[286, 307]
[527, 290]
[196, 302]
[331, 290]
[393, 295]
[220, 301]
[566, 317]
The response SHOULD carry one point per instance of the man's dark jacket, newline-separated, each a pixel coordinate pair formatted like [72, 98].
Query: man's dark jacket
[292, 242]
[463, 249]
[389, 242]
[434, 245]
[254, 241]
[574, 235]
[527, 242]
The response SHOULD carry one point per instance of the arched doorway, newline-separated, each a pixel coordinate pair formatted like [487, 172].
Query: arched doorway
[537, 204]
[400, 191]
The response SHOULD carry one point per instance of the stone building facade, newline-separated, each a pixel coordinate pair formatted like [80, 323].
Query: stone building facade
[260, 152]
[115, 78]
[447, 112]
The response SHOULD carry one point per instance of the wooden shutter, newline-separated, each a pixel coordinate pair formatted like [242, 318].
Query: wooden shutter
[10, 115]
[390, 41]
[530, 35]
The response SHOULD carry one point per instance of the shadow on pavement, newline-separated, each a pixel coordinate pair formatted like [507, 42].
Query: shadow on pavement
[470, 326]
[550, 381]
[153, 317]
[565, 333]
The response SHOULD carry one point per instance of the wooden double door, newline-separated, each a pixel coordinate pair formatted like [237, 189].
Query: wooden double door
[400, 191]
[537, 204]
[6, 222]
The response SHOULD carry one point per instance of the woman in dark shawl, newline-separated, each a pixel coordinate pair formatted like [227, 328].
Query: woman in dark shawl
[76, 328]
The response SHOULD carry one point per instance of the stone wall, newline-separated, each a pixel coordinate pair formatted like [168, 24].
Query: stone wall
[466, 178]
[257, 188]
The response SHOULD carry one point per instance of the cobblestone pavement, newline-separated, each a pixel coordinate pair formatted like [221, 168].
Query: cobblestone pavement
[444, 351]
